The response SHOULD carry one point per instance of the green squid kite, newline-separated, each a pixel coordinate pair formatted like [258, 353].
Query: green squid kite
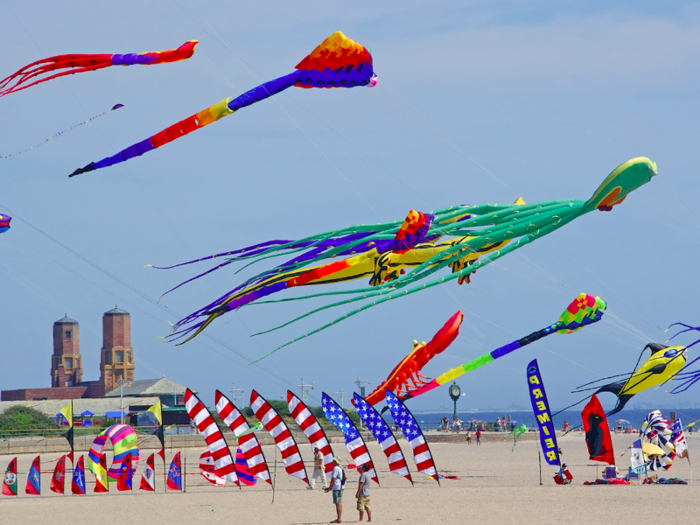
[403, 257]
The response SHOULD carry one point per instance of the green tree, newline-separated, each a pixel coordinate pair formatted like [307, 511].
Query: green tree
[25, 418]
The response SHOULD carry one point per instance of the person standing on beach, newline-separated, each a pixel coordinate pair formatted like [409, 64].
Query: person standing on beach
[469, 437]
[319, 470]
[566, 427]
[362, 494]
[337, 486]
[478, 438]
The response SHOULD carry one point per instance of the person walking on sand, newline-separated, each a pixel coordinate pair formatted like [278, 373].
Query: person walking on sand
[319, 470]
[362, 494]
[337, 486]
[478, 438]
[469, 437]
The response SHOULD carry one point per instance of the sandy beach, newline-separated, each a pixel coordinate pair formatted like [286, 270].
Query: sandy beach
[496, 486]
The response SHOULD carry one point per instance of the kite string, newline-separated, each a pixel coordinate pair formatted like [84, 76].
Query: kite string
[63, 132]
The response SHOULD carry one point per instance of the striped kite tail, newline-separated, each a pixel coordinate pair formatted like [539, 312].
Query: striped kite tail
[337, 62]
[81, 63]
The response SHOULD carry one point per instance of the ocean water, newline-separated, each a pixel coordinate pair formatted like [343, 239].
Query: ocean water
[573, 417]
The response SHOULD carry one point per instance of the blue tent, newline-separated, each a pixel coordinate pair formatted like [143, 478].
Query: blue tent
[116, 413]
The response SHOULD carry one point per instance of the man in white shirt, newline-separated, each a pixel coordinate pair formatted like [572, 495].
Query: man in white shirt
[319, 469]
[337, 487]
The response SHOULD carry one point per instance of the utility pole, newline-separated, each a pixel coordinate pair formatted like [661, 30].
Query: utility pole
[304, 390]
[341, 393]
[235, 391]
[121, 399]
[359, 382]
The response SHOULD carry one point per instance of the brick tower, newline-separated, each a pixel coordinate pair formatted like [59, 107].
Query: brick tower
[66, 369]
[117, 360]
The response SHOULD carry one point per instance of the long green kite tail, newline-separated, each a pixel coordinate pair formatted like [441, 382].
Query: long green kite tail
[404, 258]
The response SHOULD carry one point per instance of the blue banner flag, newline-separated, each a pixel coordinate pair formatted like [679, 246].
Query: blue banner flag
[540, 406]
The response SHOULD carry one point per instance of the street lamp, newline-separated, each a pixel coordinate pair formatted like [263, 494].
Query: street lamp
[455, 392]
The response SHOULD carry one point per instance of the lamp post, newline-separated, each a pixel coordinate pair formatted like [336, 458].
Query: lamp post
[359, 382]
[455, 392]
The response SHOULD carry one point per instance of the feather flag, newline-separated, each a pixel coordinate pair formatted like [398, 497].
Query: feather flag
[67, 413]
[208, 470]
[353, 440]
[409, 426]
[34, 478]
[384, 436]
[148, 477]
[157, 411]
[58, 479]
[312, 430]
[598, 440]
[9, 484]
[242, 469]
[200, 415]
[540, 407]
[175, 474]
[78, 484]
[101, 479]
[125, 474]
[678, 438]
[284, 441]
[247, 441]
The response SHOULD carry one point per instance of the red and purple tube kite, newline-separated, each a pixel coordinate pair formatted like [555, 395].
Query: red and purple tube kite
[337, 63]
[22, 79]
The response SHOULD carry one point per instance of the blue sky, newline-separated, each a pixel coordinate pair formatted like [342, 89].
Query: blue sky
[476, 102]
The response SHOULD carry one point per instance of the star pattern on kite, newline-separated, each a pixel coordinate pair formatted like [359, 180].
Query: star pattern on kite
[376, 424]
[339, 418]
[402, 417]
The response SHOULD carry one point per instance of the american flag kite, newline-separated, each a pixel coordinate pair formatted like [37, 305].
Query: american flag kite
[248, 443]
[312, 430]
[284, 441]
[381, 431]
[409, 426]
[353, 440]
[223, 461]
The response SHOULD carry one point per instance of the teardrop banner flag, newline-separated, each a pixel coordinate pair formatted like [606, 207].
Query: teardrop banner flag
[540, 406]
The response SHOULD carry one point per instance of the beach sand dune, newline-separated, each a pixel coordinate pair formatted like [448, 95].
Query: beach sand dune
[497, 486]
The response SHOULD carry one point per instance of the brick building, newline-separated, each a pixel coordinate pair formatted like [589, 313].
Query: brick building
[116, 361]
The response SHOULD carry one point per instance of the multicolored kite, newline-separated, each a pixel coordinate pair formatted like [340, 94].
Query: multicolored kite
[4, 223]
[410, 366]
[656, 429]
[125, 443]
[337, 63]
[582, 311]
[397, 256]
[26, 77]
